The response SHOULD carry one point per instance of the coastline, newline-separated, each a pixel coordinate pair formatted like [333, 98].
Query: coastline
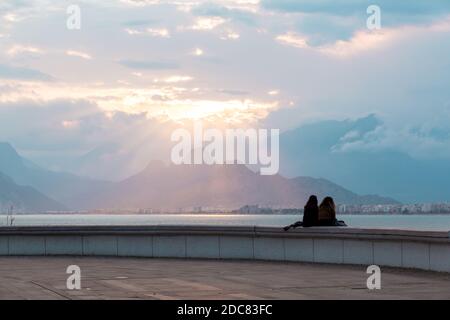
[127, 213]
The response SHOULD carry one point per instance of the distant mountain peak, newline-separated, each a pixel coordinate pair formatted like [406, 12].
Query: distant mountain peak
[23, 198]
[229, 186]
[7, 150]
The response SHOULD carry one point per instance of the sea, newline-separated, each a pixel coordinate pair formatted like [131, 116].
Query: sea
[431, 222]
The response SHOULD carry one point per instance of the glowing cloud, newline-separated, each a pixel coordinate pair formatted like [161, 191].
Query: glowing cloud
[78, 54]
[230, 35]
[10, 17]
[273, 92]
[133, 31]
[176, 79]
[208, 23]
[361, 41]
[70, 124]
[19, 49]
[293, 39]
[158, 102]
[163, 33]
[197, 52]
[153, 32]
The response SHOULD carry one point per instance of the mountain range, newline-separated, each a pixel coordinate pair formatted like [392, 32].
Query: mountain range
[66, 188]
[361, 155]
[172, 186]
[169, 187]
[24, 198]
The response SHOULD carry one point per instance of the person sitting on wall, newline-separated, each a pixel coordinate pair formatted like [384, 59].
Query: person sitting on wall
[310, 214]
[327, 214]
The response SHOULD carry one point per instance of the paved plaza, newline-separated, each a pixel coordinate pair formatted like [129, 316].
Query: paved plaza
[134, 278]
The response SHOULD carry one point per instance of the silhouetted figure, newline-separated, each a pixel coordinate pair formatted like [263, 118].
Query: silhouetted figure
[327, 214]
[311, 212]
[310, 215]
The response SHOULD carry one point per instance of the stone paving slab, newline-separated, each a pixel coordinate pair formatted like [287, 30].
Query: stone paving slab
[162, 279]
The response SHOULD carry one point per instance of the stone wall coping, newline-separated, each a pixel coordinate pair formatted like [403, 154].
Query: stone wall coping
[314, 232]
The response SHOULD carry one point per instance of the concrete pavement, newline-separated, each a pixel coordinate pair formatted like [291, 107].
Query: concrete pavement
[140, 278]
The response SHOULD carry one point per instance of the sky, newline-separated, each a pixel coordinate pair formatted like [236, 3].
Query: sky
[137, 69]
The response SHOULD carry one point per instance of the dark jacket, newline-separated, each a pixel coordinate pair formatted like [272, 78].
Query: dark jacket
[310, 216]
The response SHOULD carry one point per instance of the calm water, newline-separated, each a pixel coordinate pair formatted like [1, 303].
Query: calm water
[413, 222]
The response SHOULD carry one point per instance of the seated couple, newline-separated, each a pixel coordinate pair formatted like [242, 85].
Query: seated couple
[315, 215]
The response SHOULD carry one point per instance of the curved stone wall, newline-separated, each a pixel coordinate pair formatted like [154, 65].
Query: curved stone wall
[407, 249]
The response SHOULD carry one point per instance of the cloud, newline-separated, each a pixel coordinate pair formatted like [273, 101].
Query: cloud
[325, 22]
[154, 32]
[161, 32]
[163, 100]
[363, 40]
[293, 39]
[360, 42]
[78, 54]
[177, 79]
[318, 54]
[149, 65]
[230, 35]
[197, 52]
[133, 32]
[81, 137]
[10, 17]
[20, 49]
[325, 28]
[69, 134]
[366, 41]
[207, 23]
[22, 73]
[13, 12]
[70, 124]
[417, 142]
[141, 3]
[240, 11]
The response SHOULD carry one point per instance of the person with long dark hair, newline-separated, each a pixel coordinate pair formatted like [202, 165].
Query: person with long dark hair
[310, 214]
[327, 214]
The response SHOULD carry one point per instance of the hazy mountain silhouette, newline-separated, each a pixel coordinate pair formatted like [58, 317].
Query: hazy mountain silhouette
[66, 188]
[171, 186]
[24, 199]
[310, 151]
